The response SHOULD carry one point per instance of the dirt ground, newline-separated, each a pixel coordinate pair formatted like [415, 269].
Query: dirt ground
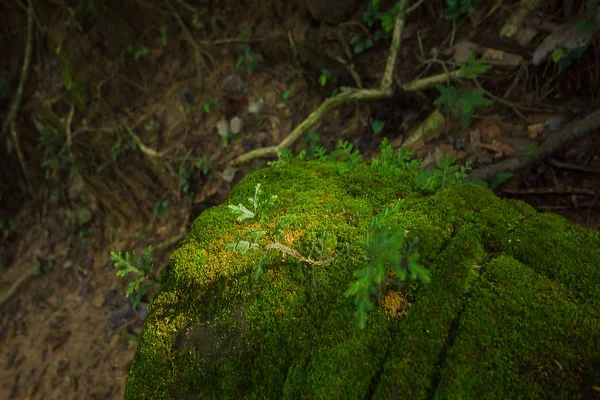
[129, 126]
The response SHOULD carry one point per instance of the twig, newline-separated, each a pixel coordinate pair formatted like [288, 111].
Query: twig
[22, 279]
[198, 57]
[14, 109]
[554, 142]
[384, 91]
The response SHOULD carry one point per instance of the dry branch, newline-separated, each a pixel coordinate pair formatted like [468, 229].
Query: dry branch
[352, 94]
[14, 109]
[554, 142]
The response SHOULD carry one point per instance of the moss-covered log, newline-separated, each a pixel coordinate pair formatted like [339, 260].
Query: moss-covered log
[512, 309]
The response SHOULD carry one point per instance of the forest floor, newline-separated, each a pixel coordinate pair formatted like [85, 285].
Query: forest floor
[131, 121]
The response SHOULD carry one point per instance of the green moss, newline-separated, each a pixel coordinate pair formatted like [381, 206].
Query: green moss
[521, 338]
[213, 331]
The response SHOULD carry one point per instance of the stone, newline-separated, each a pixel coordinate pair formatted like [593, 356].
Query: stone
[512, 308]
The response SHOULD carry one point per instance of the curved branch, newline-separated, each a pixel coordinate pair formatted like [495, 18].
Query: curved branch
[14, 109]
[384, 91]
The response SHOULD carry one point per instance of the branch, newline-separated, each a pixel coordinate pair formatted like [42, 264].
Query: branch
[14, 109]
[553, 142]
[385, 91]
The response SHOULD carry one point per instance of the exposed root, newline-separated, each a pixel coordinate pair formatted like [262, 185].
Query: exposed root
[14, 108]
[554, 142]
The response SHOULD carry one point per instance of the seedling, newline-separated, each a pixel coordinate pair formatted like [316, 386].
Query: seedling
[248, 60]
[388, 250]
[286, 95]
[141, 267]
[163, 35]
[326, 76]
[210, 104]
[377, 126]
[160, 208]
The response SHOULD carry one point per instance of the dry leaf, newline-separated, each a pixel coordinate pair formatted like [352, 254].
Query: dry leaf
[222, 127]
[236, 125]
[500, 148]
[462, 50]
[490, 131]
[475, 140]
[500, 57]
[228, 174]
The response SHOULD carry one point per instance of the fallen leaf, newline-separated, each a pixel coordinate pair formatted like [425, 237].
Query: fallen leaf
[490, 131]
[500, 148]
[461, 51]
[500, 57]
[228, 174]
[475, 140]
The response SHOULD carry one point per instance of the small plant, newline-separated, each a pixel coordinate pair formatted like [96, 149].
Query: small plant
[140, 267]
[80, 216]
[467, 101]
[474, 68]
[326, 76]
[123, 144]
[388, 251]
[113, 234]
[188, 110]
[456, 8]
[495, 182]
[248, 60]
[378, 126]
[445, 174]
[137, 54]
[163, 35]
[204, 164]
[286, 95]
[210, 104]
[160, 208]
[228, 138]
[344, 152]
[371, 16]
[390, 164]
[532, 150]
[264, 238]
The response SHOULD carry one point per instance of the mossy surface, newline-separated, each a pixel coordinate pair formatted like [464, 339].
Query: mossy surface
[512, 309]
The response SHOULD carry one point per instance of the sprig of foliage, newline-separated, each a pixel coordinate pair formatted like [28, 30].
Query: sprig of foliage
[388, 250]
[248, 60]
[390, 164]
[445, 174]
[344, 152]
[140, 267]
[467, 101]
[326, 77]
[264, 238]
[474, 68]
[456, 8]
[160, 208]
[496, 180]
[259, 206]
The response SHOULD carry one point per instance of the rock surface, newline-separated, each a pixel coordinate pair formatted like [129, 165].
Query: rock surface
[512, 309]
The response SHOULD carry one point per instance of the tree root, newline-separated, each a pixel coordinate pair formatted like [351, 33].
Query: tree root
[553, 142]
[14, 109]
[352, 94]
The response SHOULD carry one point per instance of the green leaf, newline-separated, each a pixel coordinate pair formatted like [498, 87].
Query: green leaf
[557, 54]
[163, 34]
[474, 68]
[500, 179]
[140, 53]
[242, 212]
[378, 126]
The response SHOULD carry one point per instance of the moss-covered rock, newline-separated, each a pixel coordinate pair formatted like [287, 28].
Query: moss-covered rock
[512, 309]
